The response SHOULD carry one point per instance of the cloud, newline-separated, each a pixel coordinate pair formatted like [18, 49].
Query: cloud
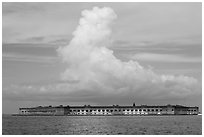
[90, 62]
[13, 8]
[28, 58]
[38, 39]
[165, 58]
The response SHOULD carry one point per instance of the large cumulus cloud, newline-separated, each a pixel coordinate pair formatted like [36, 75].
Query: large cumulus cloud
[92, 66]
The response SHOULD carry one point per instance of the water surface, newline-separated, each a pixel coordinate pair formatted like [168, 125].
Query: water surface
[81, 125]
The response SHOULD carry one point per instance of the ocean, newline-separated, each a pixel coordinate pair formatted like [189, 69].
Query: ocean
[105, 125]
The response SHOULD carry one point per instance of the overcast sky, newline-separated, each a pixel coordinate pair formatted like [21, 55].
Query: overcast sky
[147, 53]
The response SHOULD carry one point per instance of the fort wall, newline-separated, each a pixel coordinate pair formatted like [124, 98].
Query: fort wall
[110, 110]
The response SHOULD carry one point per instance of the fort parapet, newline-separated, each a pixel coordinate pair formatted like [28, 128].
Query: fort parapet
[109, 110]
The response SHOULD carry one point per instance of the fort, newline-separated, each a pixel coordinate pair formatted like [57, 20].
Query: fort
[89, 110]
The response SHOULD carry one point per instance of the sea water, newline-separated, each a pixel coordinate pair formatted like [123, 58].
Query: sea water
[106, 125]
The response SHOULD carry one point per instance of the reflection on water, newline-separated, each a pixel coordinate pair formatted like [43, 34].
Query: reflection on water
[102, 125]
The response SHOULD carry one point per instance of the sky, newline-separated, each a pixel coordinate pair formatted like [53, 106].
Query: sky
[101, 54]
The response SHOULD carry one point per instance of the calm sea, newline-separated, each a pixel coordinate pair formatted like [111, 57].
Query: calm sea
[80, 125]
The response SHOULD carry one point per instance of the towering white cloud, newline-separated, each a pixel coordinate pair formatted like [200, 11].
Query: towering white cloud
[91, 65]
